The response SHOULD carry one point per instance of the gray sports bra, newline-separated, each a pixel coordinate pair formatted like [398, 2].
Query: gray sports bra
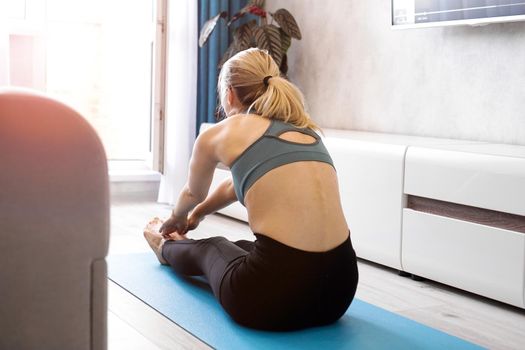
[269, 152]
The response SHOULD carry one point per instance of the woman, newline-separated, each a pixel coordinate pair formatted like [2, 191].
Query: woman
[301, 271]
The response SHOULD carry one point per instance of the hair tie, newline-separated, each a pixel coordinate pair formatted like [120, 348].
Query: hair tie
[266, 78]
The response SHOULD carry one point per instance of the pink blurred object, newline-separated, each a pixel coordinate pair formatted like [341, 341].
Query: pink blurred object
[54, 226]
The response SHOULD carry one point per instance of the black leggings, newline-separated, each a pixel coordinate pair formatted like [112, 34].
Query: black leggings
[268, 285]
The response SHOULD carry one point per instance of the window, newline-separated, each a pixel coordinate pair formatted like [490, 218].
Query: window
[99, 56]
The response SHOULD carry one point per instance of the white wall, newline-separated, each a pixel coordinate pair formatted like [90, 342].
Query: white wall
[358, 73]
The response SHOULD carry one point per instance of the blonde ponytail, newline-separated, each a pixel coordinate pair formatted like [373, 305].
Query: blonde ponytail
[255, 78]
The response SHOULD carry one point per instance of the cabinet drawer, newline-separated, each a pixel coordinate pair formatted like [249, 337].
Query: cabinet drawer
[481, 259]
[478, 180]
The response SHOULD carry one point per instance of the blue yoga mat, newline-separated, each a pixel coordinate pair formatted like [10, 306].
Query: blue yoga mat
[190, 304]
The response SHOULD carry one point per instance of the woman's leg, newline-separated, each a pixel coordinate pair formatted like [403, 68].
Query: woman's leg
[209, 257]
[245, 245]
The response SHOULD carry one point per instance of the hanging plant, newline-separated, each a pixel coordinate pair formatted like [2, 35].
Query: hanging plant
[276, 37]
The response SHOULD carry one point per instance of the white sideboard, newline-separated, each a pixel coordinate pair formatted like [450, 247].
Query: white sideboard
[370, 169]
[467, 228]
[410, 202]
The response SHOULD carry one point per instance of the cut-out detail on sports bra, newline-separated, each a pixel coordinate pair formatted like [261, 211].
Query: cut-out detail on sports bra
[310, 139]
[270, 151]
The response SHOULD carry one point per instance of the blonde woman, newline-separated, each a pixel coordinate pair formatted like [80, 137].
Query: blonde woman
[301, 271]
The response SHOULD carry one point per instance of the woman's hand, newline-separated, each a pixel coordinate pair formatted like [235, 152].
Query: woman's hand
[174, 224]
[194, 220]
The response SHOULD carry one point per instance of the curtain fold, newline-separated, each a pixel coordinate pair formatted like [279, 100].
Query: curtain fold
[210, 56]
[181, 97]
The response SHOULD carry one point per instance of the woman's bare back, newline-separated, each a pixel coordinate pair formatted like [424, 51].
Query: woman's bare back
[297, 204]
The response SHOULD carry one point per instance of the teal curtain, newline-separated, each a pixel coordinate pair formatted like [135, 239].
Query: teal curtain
[210, 55]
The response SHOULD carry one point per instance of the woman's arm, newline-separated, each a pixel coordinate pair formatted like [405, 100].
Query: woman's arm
[202, 166]
[223, 196]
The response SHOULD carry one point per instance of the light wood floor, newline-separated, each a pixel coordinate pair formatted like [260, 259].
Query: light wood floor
[134, 325]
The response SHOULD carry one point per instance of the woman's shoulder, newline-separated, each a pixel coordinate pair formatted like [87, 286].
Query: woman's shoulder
[239, 120]
[232, 131]
[239, 125]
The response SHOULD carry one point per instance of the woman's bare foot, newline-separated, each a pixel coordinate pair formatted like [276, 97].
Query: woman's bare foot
[154, 238]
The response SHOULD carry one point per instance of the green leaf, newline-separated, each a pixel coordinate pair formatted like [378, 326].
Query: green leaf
[286, 41]
[287, 23]
[243, 36]
[268, 37]
[208, 27]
